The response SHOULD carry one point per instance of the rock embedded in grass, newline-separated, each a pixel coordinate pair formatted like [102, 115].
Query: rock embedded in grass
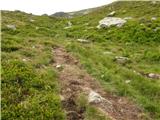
[69, 25]
[121, 60]
[111, 21]
[59, 66]
[83, 40]
[153, 18]
[13, 27]
[111, 14]
[127, 18]
[31, 20]
[154, 76]
[95, 97]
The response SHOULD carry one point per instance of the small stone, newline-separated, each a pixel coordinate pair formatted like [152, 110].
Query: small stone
[24, 60]
[82, 40]
[154, 76]
[127, 81]
[58, 66]
[62, 98]
[153, 18]
[95, 97]
[127, 18]
[112, 13]
[69, 25]
[121, 60]
[156, 29]
[13, 27]
[107, 53]
[31, 20]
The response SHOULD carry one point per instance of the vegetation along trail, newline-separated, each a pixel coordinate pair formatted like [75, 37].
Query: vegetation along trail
[75, 81]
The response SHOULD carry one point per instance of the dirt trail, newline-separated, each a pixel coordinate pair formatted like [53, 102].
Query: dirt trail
[74, 80]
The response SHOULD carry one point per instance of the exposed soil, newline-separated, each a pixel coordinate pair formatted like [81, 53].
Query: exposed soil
[75, 80]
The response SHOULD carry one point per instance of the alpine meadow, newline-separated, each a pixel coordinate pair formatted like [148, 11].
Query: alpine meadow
[95, 64]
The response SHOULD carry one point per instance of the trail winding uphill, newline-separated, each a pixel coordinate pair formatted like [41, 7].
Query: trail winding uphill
[74, 80]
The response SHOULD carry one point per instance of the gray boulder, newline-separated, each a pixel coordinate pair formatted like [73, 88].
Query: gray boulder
[111, 21]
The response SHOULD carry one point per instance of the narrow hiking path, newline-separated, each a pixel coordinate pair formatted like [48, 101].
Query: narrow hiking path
[74, 80]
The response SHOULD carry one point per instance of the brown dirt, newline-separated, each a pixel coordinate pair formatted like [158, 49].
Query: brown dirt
[75, 80]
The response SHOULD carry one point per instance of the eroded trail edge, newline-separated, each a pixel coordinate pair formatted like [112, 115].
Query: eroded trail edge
[74, 80]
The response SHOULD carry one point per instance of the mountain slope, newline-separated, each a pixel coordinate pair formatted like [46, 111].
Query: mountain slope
[30, 81]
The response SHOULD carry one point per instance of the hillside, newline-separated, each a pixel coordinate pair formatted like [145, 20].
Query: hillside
[68, 68]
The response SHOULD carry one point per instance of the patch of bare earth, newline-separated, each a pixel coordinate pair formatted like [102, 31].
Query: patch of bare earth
[75, 80]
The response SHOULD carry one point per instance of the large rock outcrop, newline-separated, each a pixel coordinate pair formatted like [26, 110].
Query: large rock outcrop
[111, 21]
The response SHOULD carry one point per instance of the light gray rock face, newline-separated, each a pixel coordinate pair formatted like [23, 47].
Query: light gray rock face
[111, 14]
[111, 21]
[95, 97]
[13, 27]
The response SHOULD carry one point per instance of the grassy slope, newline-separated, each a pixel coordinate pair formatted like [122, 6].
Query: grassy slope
[137, 42]
[30, 86]
[29, 82]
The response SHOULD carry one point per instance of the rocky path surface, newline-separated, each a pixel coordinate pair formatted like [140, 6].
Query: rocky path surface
[75, 80]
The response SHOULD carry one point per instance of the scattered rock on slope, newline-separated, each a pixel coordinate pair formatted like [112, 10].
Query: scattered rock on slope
[13, 27]
[94, 97]
[31, 20]
[69, 25]
[128, 18]
[83, 40]
[111, 14]
[153, 18]
[111, 21]
[121, 60]
[154, 76]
